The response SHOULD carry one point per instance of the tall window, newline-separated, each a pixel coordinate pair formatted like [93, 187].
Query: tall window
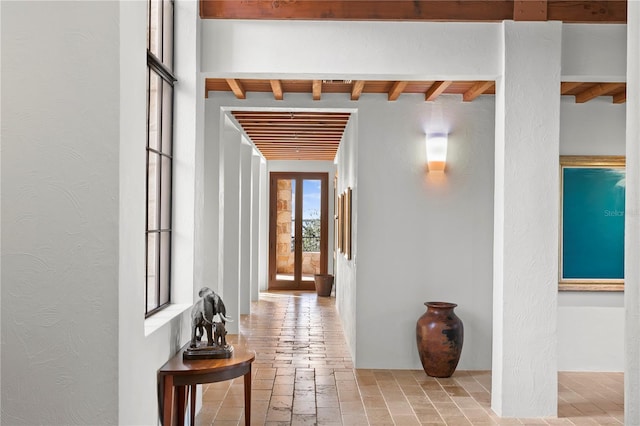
[160, 81]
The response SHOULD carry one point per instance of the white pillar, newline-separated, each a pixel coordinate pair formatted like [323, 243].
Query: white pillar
[246, 152]
[229, 233]
[526, 222]
[632, 222]
[255, 226]
[263, 266]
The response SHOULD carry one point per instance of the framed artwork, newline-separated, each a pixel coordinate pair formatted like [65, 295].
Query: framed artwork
[335, 217]
[347, 223]
[592, 209]
[340, 214]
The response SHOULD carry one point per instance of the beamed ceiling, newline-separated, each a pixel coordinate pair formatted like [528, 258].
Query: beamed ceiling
[316, 135]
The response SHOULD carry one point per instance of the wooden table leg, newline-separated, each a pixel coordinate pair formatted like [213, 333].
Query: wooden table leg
[181, 404]
[193, 405]
[247, 397]
[167, 404]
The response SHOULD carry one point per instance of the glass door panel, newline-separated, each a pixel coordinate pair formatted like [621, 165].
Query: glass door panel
[285, 229]
[311, 227]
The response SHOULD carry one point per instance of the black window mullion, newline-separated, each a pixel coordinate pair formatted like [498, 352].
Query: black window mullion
[159, 188]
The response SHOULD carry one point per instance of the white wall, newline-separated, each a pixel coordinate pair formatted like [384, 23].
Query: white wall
[60, 209]
[592, 52]
[346, 284]
[377, 49]
[591, 325]
[417, 240]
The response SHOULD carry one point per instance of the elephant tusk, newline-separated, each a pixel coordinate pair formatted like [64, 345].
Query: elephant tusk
[225, 318]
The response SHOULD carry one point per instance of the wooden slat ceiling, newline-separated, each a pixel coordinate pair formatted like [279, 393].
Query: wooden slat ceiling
[294, 135]
[317, 135]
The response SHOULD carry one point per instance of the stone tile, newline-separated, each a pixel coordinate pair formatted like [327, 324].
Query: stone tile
[303, 363]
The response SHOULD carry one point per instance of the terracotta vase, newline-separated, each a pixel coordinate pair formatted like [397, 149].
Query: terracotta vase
[324, 284]
[439, 334]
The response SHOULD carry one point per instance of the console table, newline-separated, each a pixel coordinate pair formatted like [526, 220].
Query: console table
[177, 374]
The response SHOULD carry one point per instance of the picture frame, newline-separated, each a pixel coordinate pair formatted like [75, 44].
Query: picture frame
[592, 209]
[340, 217]
[347, 223]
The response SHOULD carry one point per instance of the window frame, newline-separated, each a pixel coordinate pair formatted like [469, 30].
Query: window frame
[158, 70]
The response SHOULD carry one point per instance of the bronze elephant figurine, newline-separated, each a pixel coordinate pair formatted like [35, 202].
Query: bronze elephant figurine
[202, 313]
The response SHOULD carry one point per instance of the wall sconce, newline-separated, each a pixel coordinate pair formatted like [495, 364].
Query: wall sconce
[436, 151]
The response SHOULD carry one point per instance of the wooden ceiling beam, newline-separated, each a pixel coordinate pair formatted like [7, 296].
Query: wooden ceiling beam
[585, 11]
[620, 98]
[476, 90]
[396, 90]
[597, 90]
[436, 90]
[317, 89]
[567, 86]
[276, 88]
[574, 11]
[356, 89]
[236, 88]
[530, 10]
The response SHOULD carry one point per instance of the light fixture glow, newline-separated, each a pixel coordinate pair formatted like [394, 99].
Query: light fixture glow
[436, 152]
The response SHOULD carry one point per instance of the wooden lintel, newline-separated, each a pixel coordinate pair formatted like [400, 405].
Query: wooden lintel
[530, 10]
[567, 86]
[236, 88]
[476, 90]
[587, 11]
[620, 98]
[396, 90]
[317, 89]
[276, 88]
[597, 90]
[574, 11]
[356, 89]
[436, 90]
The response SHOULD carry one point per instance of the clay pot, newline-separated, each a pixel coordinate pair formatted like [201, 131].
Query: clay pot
[439, 334]
[324, 284]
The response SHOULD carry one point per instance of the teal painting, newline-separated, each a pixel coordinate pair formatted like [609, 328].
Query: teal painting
[593, 201]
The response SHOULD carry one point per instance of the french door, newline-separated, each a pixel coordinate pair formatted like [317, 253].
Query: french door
[298, 229]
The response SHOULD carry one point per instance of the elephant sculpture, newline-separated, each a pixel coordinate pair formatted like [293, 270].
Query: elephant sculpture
[202, 315]
[219, 334]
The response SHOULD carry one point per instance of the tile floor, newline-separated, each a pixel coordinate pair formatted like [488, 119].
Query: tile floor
[303, 375]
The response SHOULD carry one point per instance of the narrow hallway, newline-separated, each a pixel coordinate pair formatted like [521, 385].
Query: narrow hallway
[303, 375]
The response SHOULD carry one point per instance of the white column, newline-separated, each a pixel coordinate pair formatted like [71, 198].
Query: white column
[632, 223]
[229, 233]
[246, 152]
[255, 226]
[526, 222]
[263, 266]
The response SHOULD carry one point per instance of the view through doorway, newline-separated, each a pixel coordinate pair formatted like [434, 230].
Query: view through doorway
[298, 229]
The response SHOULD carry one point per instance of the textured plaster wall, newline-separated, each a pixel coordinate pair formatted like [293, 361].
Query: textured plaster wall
[632, 223]
[60, 208]
[145, 345]
[346, 286]
[592, 52]
[525, 285]
[77, 349]
[417, 240]
[380, 49]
